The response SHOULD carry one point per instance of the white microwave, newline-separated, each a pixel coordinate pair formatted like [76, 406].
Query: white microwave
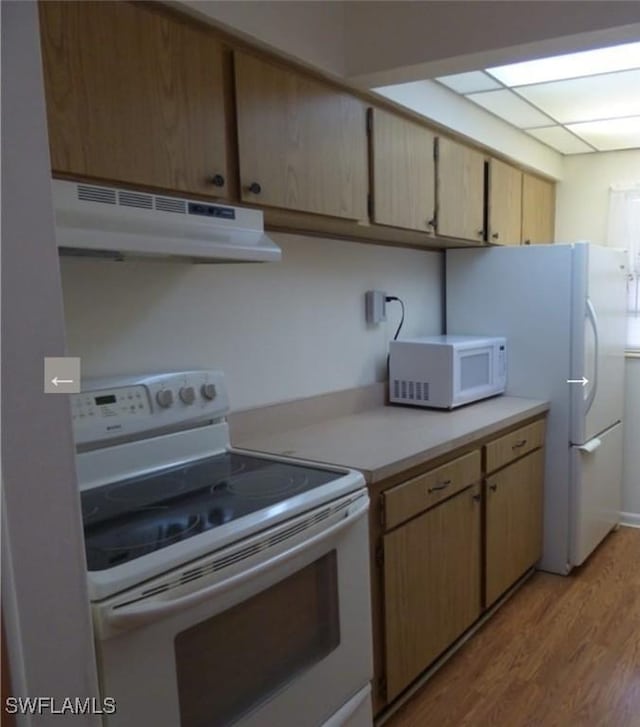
[446, 371]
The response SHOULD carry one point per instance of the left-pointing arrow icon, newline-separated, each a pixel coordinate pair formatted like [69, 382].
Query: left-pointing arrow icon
[62, 374]
[55, 381]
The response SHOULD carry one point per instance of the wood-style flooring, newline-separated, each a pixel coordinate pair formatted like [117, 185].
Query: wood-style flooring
[562, 652]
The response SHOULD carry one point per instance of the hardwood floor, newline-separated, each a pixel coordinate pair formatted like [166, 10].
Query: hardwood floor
[563, 652]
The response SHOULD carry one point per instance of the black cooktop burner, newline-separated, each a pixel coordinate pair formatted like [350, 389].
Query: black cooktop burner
[125, 520]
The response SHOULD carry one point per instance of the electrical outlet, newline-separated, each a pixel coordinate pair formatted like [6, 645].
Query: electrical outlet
[375, 306]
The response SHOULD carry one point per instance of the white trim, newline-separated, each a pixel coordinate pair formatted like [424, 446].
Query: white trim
[630, 519]
[632, 187]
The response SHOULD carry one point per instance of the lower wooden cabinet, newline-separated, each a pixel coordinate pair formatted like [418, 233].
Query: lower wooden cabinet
[513, 523]
[432, 585]
[447, 543]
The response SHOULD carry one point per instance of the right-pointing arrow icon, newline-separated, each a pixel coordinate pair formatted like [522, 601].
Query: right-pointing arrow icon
[584, 381]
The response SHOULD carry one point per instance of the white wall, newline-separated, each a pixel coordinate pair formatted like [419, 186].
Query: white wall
[279, 330]
[396, 42]
[381, 43]
[311, 32]
[45, 605]
[582, 198]
[581, 214]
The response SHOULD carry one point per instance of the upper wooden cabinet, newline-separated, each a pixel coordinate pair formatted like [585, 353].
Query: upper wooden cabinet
[538, 210]
[459, 191]
[504, 201]
[302, 143]
[134, 95]
[403, 167]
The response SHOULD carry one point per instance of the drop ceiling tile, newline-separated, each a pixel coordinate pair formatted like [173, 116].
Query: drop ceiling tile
[610, 95]
[610, 134]
[508, 106]
[571, 65]
[561, 140]
[469, 82]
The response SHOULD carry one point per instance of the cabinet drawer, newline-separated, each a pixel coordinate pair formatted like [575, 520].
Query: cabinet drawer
[513, 445]
[412, 497]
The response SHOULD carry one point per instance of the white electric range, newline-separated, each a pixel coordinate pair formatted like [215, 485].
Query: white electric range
[227, 587]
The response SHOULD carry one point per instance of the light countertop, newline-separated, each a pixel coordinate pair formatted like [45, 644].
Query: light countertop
[387, 440]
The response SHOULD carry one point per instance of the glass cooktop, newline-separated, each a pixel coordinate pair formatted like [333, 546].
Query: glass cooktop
[127, 519]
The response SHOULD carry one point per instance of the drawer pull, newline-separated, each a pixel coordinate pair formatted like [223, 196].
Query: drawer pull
[439, 486]
[519, 444]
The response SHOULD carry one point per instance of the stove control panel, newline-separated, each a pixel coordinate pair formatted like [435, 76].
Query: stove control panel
[132, 405]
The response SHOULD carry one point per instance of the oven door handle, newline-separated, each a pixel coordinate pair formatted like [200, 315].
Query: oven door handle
[139, 614]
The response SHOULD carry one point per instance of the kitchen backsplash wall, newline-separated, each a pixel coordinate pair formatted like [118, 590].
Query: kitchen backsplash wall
[280, 331]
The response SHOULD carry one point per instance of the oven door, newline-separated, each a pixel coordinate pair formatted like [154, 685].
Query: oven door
[274, 630]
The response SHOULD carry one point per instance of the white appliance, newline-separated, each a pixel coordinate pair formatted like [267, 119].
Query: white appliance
[446, 371]
[227, 587]
[101, 221]
[563, 311]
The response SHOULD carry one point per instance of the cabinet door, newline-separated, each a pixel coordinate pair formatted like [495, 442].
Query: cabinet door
[431, 585]
[514, 523]
[134, 96]
[460, 191]
[505, 203]
[302, 143]
[538, 210]
[403, 173]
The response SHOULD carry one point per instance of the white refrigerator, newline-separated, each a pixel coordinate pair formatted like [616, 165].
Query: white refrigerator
[562, 309]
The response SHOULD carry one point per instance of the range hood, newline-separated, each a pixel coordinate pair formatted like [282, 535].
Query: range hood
[100, 221]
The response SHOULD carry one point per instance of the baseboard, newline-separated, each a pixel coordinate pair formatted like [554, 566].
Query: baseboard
[630, 519]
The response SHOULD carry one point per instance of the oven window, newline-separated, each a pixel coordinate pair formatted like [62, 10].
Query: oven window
[474, 370]
[229, 664]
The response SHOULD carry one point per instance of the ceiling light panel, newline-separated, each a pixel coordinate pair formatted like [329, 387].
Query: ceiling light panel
[610, 134]
[511, 108]
[561, 140]
[469, 82]
[572, 65]
[611, 95]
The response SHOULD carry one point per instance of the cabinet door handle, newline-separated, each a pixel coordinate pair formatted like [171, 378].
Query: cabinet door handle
[439, 486]
[217, 180]
[476, 498]
[493, 487]
[254, 188]
[481, 233]
[496, 235]
[519, 444]
[527, 242]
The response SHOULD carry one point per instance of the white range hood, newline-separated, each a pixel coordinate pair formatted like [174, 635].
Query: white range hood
[101, 221]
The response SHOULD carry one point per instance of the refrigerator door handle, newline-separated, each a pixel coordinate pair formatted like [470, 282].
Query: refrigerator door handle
[593, 319]
[590, 446]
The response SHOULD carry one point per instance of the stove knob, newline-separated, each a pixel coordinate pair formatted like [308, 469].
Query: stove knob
[165, 398]
[187, 394]
[208, 391]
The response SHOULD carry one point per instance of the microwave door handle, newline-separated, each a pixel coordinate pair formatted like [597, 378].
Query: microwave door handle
[593, 319]
[140, 614]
